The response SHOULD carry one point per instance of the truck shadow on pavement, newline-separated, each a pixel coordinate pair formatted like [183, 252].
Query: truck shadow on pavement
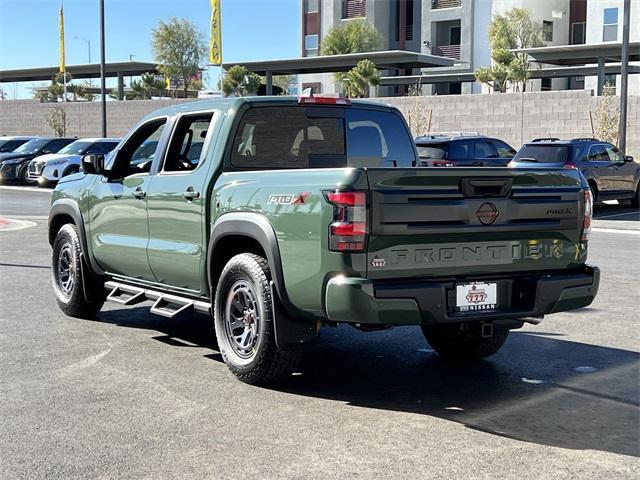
[539, 388]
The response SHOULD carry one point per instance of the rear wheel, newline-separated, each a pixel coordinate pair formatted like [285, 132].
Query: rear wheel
[594, 192]
[67, 275]
[463, 342]
[243, 317]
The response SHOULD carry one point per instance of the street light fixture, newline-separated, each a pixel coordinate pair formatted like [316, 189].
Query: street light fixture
[88, 42]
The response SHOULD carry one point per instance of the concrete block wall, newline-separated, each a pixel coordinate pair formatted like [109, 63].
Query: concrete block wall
[514, 117]
[518, 118]
[29, 117]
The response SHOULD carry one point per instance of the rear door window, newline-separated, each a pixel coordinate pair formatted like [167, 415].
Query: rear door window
[484, 149]
[460, 150]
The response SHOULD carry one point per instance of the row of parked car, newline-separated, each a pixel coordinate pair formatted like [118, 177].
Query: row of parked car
[611, 174]
[45, 160]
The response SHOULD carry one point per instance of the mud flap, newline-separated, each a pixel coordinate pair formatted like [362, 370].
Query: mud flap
[290, 334]
[89, 281]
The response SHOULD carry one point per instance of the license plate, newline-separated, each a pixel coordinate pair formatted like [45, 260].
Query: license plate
[476, 296]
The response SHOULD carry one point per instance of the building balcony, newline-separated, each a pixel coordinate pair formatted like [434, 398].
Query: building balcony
[449, 51]
[354, 9]
[437, 4]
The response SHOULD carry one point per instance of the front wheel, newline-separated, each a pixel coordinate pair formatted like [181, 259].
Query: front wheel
[243, 318]
[67, 275]
[463, 342]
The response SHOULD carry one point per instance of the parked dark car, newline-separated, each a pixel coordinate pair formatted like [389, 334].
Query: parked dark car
[611, 174]
[14, 165]
[462, 149]
[9, 144]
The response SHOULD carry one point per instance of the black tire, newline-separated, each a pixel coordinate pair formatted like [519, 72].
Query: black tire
[635, 201]
[246, 340]
[594, 192]
[458, 343]
[66, 274]
[24, 176]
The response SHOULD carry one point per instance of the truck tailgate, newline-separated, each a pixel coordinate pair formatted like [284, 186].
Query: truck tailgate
[448, 222]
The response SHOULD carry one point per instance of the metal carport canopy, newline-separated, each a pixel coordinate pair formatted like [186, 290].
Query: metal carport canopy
[548, 72]
[582, 54]
[91, 70]
[384, 60]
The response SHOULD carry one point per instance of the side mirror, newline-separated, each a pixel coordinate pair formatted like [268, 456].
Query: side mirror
[628, 158]
[93, 164]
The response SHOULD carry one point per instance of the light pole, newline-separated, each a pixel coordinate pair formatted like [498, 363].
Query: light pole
[88, 42]
[103, 89]
[624, 76]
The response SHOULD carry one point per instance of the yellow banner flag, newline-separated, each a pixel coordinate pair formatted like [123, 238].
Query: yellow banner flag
[63, 68]
[215, 44]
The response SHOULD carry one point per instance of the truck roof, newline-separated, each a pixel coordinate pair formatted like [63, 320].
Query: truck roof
[227, 103]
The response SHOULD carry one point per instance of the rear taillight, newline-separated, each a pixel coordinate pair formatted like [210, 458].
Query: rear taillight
[588, 214]
[348, 230]
[570, 165]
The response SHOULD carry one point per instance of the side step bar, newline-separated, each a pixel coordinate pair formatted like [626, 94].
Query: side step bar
[165, 304]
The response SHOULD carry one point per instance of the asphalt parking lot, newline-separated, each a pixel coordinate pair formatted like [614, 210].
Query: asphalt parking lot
[133, 395]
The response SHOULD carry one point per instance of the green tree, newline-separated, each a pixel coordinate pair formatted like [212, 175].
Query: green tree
[178, 47]
[352, 37]
[357, 81]
[240, 82]
[515, 29]
[607, 116]
[147, 87]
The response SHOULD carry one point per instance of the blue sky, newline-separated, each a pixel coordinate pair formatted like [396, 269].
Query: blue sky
[251, 29]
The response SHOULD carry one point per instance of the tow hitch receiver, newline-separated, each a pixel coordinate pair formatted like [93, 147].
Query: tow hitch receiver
[486, 330]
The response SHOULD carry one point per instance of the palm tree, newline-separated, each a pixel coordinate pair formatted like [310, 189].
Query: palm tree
[356, 82]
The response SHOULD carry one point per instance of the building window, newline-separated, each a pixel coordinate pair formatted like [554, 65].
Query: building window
[354, 8]
[578, 33]
[311, 42]
[547, 31]
[610, 25]
[545, 84]
[310, 6]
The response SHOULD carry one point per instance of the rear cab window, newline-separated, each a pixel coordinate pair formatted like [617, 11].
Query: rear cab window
[295, 137]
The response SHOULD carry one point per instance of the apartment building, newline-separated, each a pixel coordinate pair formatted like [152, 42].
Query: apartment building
[459, 29]
[604, 24]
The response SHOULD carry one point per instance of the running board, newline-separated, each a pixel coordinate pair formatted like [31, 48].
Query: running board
[165, 304]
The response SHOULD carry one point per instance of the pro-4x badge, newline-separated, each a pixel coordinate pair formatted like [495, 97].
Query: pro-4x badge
[288, 198]
[378, 262]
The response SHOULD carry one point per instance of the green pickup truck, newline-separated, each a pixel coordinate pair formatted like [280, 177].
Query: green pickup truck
[280, 215]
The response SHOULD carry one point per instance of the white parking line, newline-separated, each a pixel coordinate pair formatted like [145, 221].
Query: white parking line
[615, 230]
[26, 189]
[615, 215]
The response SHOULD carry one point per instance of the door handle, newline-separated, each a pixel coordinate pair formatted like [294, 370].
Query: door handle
[190, 194]
[139, 193]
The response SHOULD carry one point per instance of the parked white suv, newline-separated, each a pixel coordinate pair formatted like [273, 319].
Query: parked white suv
[50, 168]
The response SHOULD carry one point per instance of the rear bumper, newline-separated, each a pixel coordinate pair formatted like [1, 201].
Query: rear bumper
[357, 300]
